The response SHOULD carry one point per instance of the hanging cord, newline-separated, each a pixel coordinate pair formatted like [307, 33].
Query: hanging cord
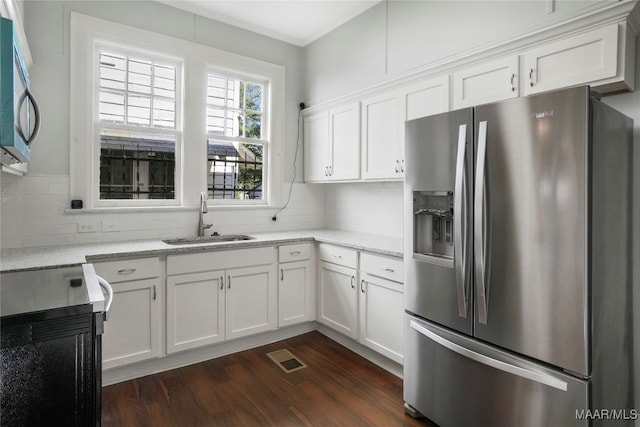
[295, 166]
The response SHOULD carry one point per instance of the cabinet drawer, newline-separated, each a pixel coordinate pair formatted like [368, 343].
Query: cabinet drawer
[382, 266]
[219, 260]
[338, 255]
[297, 252]
[126, 270]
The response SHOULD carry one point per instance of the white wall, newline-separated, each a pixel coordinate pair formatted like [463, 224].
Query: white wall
[33, 207]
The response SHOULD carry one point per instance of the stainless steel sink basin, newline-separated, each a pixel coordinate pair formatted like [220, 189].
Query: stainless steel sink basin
[208, 239]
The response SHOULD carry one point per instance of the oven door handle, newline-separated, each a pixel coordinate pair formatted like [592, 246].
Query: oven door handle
[107, 287]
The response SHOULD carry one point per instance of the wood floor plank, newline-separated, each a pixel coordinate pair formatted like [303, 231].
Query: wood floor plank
[337, 388]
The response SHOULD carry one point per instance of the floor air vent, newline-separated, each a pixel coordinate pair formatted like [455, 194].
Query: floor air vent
[286, 361]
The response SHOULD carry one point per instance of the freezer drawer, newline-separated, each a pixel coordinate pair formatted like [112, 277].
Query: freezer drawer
[457, 381]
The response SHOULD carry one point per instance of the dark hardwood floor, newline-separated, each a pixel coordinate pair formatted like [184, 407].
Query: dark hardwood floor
[338, 388]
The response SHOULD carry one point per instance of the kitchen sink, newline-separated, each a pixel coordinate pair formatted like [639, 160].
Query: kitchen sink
[208, 239]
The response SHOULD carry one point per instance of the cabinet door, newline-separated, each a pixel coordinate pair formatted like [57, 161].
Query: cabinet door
[339, 298]
[251, 301]
[345, 143]
[585, 58]
[195, 310]
[493, 81]
[422, 99]
[380, 138]
[381, 316]
[294, 295]
[132, 333]
[316, 147]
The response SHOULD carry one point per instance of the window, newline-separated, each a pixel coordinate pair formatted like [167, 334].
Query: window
[137, 124]
[236, 137]
[156, 120]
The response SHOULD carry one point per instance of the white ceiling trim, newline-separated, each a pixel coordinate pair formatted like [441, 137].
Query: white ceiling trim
[318, 16]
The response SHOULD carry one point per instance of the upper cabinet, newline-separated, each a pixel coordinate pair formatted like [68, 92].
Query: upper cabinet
[383, 118]
[488, 82]
[381, 148]
[602, 57]
[332, 144]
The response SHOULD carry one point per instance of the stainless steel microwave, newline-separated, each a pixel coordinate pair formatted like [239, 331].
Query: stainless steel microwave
[19, 113]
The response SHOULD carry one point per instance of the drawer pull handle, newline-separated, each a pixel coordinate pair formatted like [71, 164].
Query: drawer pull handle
[353, 282]
[281, 274]
[362, 286]
[126, 271]
[336, 256]
[221, 282]
[294, 253]
[389, 269]
[228, 282]
[155, 295]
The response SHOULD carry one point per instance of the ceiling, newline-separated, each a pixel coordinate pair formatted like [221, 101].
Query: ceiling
[298, 22]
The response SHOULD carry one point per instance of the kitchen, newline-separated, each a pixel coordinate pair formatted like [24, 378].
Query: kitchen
[373, 51]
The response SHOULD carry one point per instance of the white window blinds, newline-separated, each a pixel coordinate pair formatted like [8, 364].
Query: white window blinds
[136, 91]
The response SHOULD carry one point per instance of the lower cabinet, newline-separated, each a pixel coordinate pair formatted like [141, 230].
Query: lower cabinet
[382, 304]
[338, 296]
[133, 330]
[295, 294]
[207, 304]
[369, 309]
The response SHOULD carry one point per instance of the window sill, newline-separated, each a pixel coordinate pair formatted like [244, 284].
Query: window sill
[141, 209]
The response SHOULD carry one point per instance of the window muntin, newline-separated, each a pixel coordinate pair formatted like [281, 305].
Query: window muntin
[138, 102]
[236, 138]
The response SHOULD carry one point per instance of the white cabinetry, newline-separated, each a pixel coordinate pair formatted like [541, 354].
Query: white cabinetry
[492, 81]
[598, 57]
[332, 144]
[216, 296]
[337, 289]
[133, 331]
[382, 150]
[295, 290]
[381, 304]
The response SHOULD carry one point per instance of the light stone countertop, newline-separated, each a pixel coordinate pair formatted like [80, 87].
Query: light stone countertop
[68, 255]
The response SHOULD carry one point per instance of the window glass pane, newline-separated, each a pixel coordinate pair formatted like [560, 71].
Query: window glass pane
[136, 165]
[235, 107]
[234, 170]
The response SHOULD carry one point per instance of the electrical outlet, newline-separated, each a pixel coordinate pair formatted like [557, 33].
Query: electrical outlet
[88, 227]
[110, 225]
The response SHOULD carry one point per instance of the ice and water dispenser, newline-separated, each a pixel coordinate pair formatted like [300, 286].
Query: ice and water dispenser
[433, 225]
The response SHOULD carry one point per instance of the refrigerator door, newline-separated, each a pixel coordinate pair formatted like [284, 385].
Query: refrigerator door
[457, 381]
[438, 238]
[530, 227]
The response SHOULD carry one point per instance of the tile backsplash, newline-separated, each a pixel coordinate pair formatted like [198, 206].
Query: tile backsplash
[35, 212]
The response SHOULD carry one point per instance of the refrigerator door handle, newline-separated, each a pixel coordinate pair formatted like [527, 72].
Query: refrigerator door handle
[460, 240]
[478, 226]
[532, 375]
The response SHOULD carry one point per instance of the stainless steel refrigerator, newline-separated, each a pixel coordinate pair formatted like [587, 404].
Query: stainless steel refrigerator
[518, 264]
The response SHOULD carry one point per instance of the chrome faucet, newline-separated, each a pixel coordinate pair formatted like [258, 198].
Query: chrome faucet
[203, 210]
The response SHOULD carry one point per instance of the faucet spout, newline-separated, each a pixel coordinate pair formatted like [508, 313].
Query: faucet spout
[203, 210]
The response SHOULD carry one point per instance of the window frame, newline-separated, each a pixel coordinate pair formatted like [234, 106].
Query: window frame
[99, 45]
[197, 59]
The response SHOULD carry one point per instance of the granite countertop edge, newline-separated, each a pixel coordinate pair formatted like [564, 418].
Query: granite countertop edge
[42, 257]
